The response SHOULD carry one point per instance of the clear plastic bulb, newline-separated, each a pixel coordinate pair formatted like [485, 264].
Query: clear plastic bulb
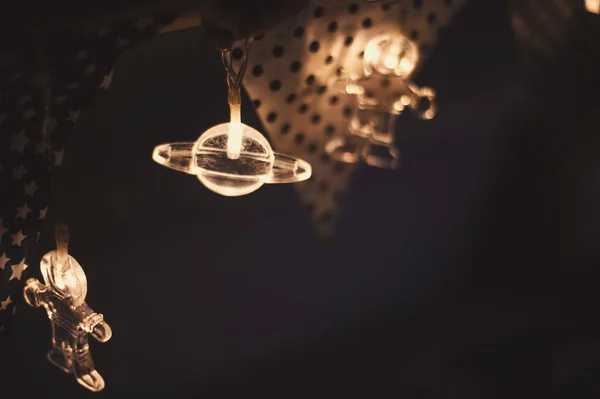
[391, 55]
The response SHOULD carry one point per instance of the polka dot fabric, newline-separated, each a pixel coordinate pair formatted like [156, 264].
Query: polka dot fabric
[291, 68]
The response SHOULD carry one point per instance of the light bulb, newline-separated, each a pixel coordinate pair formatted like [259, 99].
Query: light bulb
[253, 163]
[391, 55]
[72, 320]
[593, 6]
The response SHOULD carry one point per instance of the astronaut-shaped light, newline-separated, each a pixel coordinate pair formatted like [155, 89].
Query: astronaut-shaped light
[389, 61]
[593, 6]
[232, 159]
[63, 296]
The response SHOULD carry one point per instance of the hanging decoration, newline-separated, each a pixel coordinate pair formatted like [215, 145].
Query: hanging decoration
[232, 159]
[593, 6]
[63, 297]
[291, 65]
[388, 59]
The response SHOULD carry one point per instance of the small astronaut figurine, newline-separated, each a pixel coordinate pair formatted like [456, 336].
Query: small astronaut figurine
[382, 92]
[63, 296]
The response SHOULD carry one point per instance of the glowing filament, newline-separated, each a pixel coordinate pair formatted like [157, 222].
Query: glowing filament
[234, 138]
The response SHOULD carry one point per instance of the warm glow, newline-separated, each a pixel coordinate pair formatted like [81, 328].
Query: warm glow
[234, 140]
[391, 55]
[593, 6]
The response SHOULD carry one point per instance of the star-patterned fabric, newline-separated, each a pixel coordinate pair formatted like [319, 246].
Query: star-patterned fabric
[40, 102]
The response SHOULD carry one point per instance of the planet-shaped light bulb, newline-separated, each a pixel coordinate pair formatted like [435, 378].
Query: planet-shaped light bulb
[234, 169]
[232, 176]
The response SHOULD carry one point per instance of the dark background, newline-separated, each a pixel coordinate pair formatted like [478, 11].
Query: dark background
[468, 273]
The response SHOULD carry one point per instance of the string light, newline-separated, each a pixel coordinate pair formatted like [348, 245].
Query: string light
[232, 159]
[593, 6]
[391, 59]
[63, 297]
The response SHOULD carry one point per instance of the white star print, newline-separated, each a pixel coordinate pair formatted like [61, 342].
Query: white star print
[3, 229]
[81, 54]
[28, 114]
[143, 22]
[17, 239]
[51, 123]
[72, 86]
[22, 211]
[3, 260]
[74, 115]
[43, 213]
[89, 69]
[58, 156]
[19, 142]
[106, 81]
[31, 188]
[4, 304]
[42, 147]
[17, 270]
[18, 172]
[103, 32]
[24, 98]
[120, 42]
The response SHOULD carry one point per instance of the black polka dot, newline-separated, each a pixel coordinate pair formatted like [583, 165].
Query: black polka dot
[312, 147]
[291, 98]
[310, 80]
[369, 94]
[361, 54]
[333, 100]
[332, 26]
[338, 71]
[315, 119]
[256, 104]
[347, 111]
[431, 17]
[414, 35]
[328, 60]
[259, 37]
[257, 70]
[348, 40]
[353, 8]
[367, 23]
[417, 4]
[310, 207]
[272, 117]
[299, 31]
[299, 139]
[329, 130]
[326, 217]
[237, 53]
[321, 90]
[318, 13]
[303, 108]
[314, 46]
[275, 85]
[339, 196]
[285, 129]
[325, 157]
[323, 187]
[295, 66]
[386, 7]
[339, 167]
[278, 51]
[385, 83]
